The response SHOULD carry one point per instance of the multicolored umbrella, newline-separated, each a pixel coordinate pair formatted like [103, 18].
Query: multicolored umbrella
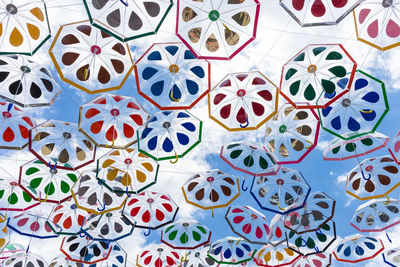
[199, 258]
[127, 171]
[158, 255]
[392, 257]
[318, 260]
[14, 127]
[24, 26]
[231, 250]
[357, 113]
[60, 145]
[376, 215]
[248, 223]
[309, 74]
[46, 184]
[310, 13]
[373, 178]
[314, 242]
[26, 83]
[185, 234]
[32, 224]
[358, 248]
[279, 255]
[217, 29]
[24, 259]
[278, 193]
[127, 20]
[378, 24]
[170, 77]
[394, 148]
[249, 158]
[112, 120]
[151, 210]
[339, 149]
[292, 134]
[211, 190]
[243, 101]
[90, 59]
[169, 135]
[92, 196]
[318, 210]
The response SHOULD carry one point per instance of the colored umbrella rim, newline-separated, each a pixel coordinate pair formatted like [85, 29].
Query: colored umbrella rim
[362, 259]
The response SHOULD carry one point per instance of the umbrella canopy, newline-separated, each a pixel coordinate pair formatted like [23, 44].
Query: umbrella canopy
[26, 83]
[14, 127]
[339, 149]
[62, 261]
[310, 13]
[90, 59]
[243, 101]
[24, 259]
[292, 134]
[231, 250]
[169, 135]
[10, 249]
[248, 223]
[217, 29]
[392, 257]
[170, 77]
[60, 145]
[357, 113]
[127, 171]
[118, 257]
[199, 258]
[32, 224]
[358, 248]
[211, 190]
[310, 73]
[320, 259]
[394, 148]
[279, 255]
[278, 193]
[112, 120]
[158, 255]
[373, 178]
[376, 215]
[24, 26]
[378, 23]
[129, 19]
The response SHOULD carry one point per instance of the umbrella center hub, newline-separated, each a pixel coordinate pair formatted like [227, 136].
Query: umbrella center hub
[7, 114]
[174, 68]
[254, 216]
[282, 128]
[109, 214]
[387, 3]
[280, 181]
[53, 171]
[114, 112]
[210, 179]
[66, 135]
[73, 206]
[312, 68]
[12, 9]
[241, 93]
[373, 205]
[197, 254]
[13, 183]
[369, 168]
[213, 15]
[166, 124]
[185, 224]
[127, 161]
[160, 250]
[95, 49]
[25, 69]
[150, 200]
[231, 241]
[346, 102]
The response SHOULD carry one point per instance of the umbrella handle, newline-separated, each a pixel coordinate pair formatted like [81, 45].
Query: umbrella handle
[363, 175]
[42, 200]
[112, 144]
[9, 107]
[148, 232]
[54, 167]
[3, 220]
[175, 160]
[388, 238]
[123, 2]
[387, 201]
[102, 208]
[172, 97]
[244, 188]
[82, 234]
[311, 144]
[279, 205]
[127, 192]
[245, 125]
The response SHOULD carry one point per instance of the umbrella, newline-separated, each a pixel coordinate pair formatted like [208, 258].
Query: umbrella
[357, 113]
[310, 13]
[14, 127]
[45, 184]
[158, 255]
[24, 259]
[127, 171]
[117, 258]
[358, 248]
[31, 224]
[318, 210]
[231, 250]
[243, 101]
[111, 120]
[90, 59]
[127, 20]
[60, 144]
[377, 24]
[199, 258]
[339, 149]
[248, 158]
[211, 190]
[320, 259]
[24, 26]
[278, 193]
[170, 77]
[373, 178]
[292, 134]
[392, 257]
[26, 83]
[92, 196]
[310, 73]
[394, 148]
[248, 223]
[185, 234]
[217, 29]
[169, 135]
[279, 255]
[376, 215]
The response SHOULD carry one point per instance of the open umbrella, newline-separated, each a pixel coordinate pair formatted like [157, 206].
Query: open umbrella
[24, 259]
[392, 257]
[323, 259]
[231, 250]
[199, 258]
[170, 77]
[158, 255]
[279, 255]
[32, 224]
